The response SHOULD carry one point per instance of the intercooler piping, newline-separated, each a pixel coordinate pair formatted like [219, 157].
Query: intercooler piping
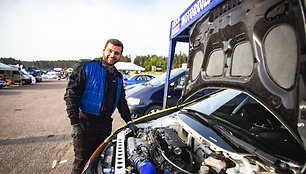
[140, 162]
[144, 167]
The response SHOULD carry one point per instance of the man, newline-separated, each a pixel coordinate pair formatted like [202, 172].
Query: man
[94, 91]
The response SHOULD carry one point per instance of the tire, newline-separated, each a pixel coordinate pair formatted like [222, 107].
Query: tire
[152, 109]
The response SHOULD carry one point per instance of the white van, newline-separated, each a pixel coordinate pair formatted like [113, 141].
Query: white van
[26, 77]
[52, 75]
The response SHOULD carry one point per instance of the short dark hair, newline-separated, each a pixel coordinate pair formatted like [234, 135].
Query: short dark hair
[115, 42]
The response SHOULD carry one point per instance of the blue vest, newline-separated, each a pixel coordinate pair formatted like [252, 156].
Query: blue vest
[92, 98]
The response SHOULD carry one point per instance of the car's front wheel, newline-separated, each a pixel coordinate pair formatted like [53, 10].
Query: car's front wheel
[152, 109]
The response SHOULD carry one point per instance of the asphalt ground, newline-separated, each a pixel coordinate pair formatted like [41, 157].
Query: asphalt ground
[35, 132]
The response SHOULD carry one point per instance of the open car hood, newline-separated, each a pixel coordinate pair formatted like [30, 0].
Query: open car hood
[257, 47]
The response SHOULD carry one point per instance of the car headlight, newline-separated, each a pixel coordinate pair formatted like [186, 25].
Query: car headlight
[133, 101]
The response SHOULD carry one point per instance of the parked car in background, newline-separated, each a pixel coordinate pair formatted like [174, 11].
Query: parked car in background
[147, 98]
[8, 81]
[2, 84]
[26, 77]
[138, 78]
[51, 75]
[35, 72]
[37, 76]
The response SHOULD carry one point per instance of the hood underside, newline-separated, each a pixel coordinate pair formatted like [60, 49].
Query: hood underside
[254, 46]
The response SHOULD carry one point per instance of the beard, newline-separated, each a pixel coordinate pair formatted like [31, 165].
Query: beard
[106, 58]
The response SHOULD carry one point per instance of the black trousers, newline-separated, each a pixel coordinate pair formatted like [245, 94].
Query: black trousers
[95, 130]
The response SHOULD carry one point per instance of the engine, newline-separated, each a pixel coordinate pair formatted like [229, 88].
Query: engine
[170, 149]
[163, 148]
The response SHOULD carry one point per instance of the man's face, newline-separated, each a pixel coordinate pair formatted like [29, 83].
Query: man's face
[112, 54]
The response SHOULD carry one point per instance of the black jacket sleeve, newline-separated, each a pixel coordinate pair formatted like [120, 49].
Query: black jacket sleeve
[123, 107]
[74, 92]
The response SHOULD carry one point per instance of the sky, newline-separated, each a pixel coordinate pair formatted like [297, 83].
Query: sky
[34, 30]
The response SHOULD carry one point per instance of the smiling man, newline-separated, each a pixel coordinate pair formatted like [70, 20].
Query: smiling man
[94, 91]
[112, 53]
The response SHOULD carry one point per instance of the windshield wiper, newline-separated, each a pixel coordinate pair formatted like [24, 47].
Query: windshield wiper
[209, 121]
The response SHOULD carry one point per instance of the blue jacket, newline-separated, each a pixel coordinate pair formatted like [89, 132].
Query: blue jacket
[88, 85]
[91, 100]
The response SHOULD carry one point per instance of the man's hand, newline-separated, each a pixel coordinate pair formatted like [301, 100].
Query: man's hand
[132, 126]
[76, 131]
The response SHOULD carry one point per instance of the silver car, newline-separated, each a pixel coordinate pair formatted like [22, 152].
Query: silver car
[2, 84]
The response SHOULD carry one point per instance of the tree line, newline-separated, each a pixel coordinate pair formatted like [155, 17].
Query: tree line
[144, 61]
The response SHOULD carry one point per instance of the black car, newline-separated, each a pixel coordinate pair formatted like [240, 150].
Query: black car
[254, 53]
[147, 98]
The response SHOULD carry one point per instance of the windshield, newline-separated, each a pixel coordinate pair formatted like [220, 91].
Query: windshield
[247, 119]
[159, 80]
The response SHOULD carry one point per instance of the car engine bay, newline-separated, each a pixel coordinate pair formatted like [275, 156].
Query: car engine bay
[167, 145]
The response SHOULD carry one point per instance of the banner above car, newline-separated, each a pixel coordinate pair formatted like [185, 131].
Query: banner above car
[190, 15]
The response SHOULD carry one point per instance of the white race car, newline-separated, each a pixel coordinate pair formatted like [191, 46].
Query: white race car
[255, 53]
